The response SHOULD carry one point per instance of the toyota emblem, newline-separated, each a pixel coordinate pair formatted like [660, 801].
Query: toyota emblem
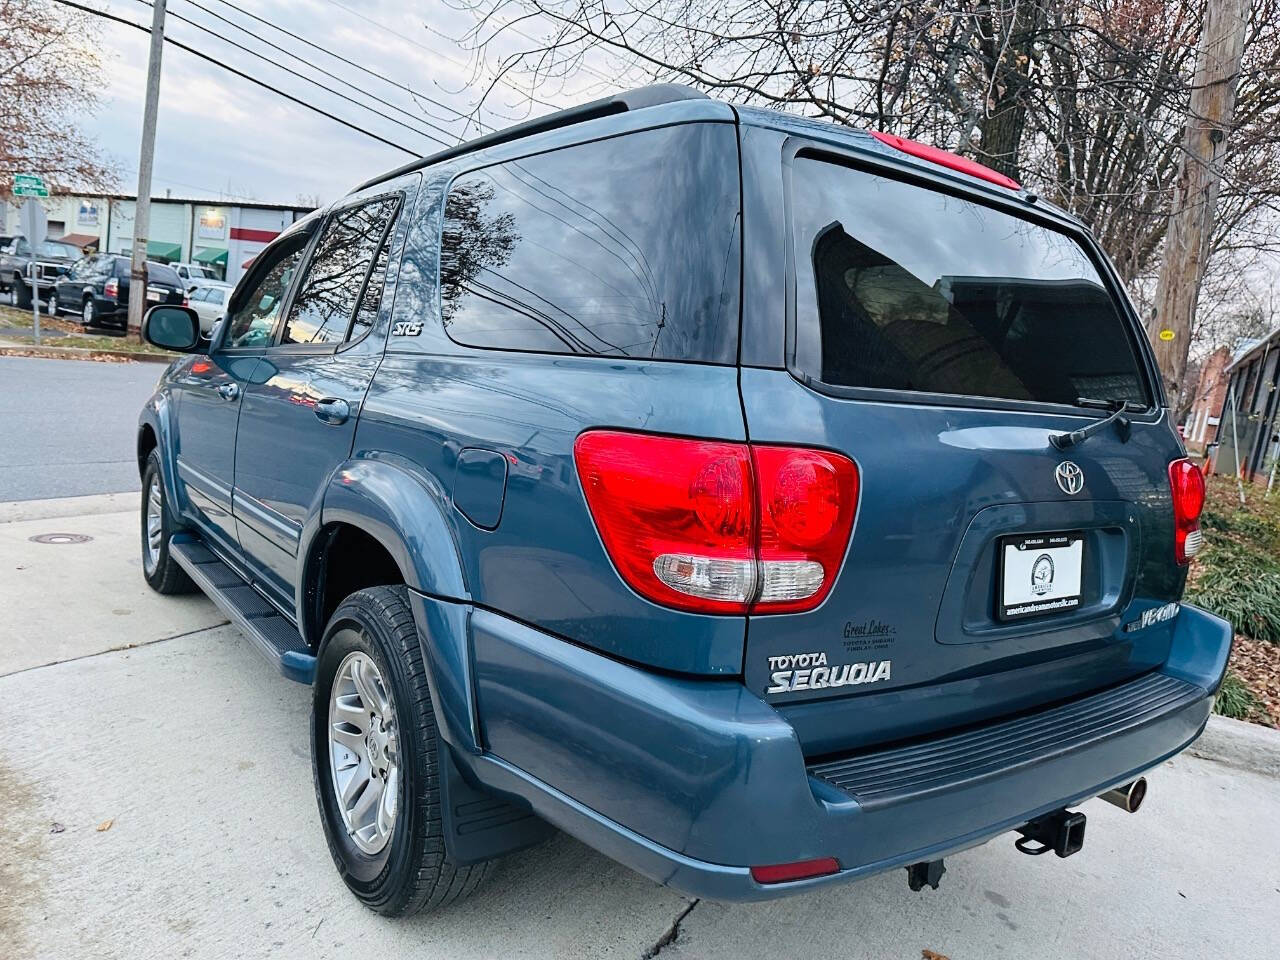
[1070, 477]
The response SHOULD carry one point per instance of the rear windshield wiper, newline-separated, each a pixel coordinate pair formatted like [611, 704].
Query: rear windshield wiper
[1117, 407]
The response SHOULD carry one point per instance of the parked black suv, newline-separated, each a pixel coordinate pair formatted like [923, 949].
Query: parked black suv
[97, 288]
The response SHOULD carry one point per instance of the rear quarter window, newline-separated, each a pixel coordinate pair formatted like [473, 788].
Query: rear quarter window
[159, 273]
[903, 288]
[620, 247]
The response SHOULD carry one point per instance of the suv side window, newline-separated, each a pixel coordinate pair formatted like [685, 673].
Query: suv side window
[323, 310]
[255, 315]
[619, 247]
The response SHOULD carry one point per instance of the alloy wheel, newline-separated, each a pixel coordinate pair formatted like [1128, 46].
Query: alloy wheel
[155, 522]
[364, 752]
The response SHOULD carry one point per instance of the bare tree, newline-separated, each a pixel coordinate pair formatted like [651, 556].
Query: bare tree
[1084, 100]
[49, 74]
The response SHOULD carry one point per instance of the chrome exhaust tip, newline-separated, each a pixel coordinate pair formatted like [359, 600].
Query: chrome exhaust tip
[1129, 797]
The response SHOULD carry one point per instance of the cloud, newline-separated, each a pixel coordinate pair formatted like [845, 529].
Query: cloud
[220, 134]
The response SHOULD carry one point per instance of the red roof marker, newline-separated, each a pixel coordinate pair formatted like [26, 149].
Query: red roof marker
[944, 158]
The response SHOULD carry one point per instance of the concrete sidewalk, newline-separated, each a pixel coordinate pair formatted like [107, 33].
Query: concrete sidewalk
[196, 755]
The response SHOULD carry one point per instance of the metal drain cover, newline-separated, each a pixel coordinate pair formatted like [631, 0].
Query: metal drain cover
[60, 538]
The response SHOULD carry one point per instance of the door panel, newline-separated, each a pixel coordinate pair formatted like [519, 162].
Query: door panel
[299, 418]
[209, 392]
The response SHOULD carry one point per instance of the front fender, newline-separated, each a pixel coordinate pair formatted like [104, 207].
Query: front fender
[406, 512]
[157, 414]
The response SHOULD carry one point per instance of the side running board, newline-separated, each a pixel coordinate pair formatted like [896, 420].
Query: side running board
[275, 636]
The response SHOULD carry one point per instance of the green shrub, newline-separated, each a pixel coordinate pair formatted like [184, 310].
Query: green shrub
[1241, 585]
[1235, 700]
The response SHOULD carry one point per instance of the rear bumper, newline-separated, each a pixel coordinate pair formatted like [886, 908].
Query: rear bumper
[691, 782]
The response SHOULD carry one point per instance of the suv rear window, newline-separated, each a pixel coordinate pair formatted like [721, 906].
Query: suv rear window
[160, 273]
[904, 288]
[619, 247]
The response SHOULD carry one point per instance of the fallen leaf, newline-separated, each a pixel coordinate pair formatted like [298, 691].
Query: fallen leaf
[106, 825]
[56, 827]
[930, 955]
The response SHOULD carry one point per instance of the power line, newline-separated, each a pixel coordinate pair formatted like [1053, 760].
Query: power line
[351, 63]
[435, 53]
[240, 73]
[279, 66]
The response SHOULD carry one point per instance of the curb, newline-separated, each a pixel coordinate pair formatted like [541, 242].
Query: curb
[80, 353]
[1235, 743]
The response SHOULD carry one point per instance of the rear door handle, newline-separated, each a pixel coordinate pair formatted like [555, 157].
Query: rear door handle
[229, 391]
[333, 410]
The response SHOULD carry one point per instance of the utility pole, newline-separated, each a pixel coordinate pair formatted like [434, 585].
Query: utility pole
[1204, 145]
[142, 209]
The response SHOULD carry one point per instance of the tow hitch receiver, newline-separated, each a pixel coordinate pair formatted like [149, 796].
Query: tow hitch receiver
[1061, 831]
[925, 872]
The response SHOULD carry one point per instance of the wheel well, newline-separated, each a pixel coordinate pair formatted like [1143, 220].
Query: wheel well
[344, 560]
[146, 443]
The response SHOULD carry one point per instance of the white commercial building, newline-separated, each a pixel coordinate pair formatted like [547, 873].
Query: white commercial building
[222, 236]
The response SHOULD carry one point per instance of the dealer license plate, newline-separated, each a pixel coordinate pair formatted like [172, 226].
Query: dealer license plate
[1040, 574]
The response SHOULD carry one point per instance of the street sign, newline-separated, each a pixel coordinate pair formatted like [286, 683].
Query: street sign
[29, 185]
[35, 225]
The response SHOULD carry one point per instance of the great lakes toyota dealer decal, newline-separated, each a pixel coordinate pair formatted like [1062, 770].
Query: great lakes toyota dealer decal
[809, 671]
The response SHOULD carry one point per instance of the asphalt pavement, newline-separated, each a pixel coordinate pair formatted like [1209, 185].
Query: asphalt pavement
[156, 798]
[69, 426]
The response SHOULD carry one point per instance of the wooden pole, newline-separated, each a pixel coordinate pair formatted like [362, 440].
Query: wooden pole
[146, 157]
[1204, 145]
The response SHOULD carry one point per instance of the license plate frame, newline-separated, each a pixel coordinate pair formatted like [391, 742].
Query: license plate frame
[1040, 574]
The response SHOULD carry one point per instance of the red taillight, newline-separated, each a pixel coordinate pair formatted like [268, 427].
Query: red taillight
[111, 288]
[943, 158]
[719, 527]
[801, 870]
[186, 302]
[1187, 485]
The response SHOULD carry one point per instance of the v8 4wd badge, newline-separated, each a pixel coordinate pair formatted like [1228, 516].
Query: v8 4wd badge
[809, 671]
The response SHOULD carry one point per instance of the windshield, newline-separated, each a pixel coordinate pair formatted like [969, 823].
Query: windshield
[197, 273]
[909, 289]
[51, 249]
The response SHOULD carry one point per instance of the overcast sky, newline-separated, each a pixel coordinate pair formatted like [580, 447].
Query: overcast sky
[220, 135]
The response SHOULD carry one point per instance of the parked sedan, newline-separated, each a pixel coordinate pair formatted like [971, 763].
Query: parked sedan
[209, 301]
[97, 288]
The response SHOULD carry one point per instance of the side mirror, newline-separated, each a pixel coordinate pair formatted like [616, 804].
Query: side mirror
[172, 328]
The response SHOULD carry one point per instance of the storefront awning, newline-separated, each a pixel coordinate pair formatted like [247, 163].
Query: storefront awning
[211, 256]
[81, 240]
[159, 250]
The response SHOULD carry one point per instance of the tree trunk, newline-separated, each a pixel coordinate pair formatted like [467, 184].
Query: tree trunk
[1204, 145]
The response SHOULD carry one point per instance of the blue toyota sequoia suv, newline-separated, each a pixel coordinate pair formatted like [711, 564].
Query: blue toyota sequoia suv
[765, 503]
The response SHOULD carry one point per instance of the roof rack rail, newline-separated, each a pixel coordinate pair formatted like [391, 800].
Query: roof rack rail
[636, 99]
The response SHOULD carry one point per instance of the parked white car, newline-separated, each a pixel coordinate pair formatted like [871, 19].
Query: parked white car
[209, 301]
[194, 274]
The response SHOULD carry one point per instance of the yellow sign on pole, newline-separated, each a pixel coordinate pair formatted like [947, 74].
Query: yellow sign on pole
[1166, 335]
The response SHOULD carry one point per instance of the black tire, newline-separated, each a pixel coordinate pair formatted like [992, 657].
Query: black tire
[88, 313]
[22, 299]
[413, 871]
[164, 575]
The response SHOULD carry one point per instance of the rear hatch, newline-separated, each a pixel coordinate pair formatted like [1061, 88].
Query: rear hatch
[940, 341]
